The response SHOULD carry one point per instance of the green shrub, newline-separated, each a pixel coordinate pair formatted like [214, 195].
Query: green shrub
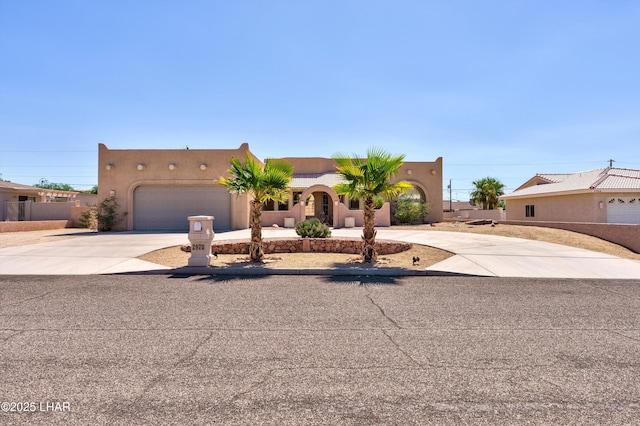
[88, 218]
[107, 214]
[312, 228]
[409, 209]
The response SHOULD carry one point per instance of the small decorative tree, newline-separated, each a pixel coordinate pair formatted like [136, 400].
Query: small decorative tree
[263, 183]
[366, 179]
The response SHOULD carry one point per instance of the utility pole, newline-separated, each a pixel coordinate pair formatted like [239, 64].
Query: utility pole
[450, 209]
[611, 163]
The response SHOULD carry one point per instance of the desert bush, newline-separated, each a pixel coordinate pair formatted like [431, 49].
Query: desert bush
[88, 218]
[312, 228]
[410, 209]
[107, 214]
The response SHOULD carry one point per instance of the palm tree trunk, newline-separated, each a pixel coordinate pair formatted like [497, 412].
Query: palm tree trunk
[255, 247]
[369, 254]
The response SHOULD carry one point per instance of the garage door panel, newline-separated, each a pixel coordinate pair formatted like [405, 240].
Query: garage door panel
[166, 207]
[623, 210]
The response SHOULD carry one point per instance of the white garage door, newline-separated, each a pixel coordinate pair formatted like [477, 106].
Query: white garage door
[166, 207]
[623, 210]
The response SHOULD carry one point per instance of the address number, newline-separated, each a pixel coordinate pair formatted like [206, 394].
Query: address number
[198, 247]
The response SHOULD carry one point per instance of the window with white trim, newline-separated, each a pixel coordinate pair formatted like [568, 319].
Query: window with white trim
[529, 210]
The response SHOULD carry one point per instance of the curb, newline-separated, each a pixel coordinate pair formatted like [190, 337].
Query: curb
[253, 271]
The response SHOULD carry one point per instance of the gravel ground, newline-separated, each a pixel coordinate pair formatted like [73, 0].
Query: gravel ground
[175, 258]
[13, 239]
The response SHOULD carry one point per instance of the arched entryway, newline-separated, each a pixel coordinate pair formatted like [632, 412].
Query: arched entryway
[321, 202]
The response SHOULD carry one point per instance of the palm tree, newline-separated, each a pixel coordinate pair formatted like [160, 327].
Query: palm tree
[263, 184]
[487, 192]
[366, 179]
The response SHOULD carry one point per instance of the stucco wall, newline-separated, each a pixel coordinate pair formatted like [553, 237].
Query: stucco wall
[565, 208]
[427, 176]
[118, 174]
[10, 195]
[625, 235]
[497, 214]
[34, 226]
[52, 211]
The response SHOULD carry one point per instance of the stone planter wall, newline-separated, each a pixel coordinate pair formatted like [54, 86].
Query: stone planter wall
[310, 245]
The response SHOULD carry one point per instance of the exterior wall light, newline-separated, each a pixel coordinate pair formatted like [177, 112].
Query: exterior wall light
[433, 171]
[601, 205]
[203, 167]
[172, 166]
[140, 167]
[109, 166]
[409, 171]
[112, 193]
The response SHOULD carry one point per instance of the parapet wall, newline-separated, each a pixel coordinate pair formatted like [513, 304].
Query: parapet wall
[310, 245]
[625, 235]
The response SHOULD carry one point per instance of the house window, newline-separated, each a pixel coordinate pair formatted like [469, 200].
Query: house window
[354, 204]
[283, 206]
[269, 206]
[296, 197]
[529, 210]
[325, 204]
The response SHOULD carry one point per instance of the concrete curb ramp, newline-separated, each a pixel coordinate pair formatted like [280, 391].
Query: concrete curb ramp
[475, 255]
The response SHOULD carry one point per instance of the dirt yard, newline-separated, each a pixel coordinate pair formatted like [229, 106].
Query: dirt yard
[174, 257]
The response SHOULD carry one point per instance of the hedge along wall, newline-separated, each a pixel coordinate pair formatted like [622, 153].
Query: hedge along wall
[308, 245]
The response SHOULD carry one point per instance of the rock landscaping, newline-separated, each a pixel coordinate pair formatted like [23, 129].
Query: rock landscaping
[306, 245]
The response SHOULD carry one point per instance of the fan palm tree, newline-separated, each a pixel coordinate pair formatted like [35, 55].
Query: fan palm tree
[487, 192]
[263, 184]
[366, 179]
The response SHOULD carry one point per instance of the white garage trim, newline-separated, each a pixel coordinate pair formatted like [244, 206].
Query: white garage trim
[166, 207]
[623, 210]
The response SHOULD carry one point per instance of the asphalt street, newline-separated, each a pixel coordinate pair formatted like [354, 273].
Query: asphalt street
[157, 349]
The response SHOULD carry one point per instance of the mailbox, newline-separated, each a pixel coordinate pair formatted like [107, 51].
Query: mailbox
[200, 235]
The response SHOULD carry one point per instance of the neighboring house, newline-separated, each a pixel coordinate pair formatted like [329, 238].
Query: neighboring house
[610, 195]
[456, 206]
[16, 202]
[159, 189]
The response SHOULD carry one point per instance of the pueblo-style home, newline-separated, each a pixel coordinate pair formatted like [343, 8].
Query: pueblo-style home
[159, 189]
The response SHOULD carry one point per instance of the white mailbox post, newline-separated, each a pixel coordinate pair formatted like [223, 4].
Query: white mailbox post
[200, 235]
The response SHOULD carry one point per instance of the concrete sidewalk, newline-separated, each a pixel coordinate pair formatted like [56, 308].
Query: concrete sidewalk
[475, 254]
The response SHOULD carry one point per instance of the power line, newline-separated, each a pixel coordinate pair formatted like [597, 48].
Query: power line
[33, 151]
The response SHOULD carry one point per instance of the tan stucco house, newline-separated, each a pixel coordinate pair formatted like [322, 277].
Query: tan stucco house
[16, 199]
[610, 195]
[159, 189]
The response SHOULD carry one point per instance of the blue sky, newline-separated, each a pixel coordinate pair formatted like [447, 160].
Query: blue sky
[497, 88]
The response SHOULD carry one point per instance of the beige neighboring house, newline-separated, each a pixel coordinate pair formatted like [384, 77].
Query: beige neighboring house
[610, 195]
[159, 189]
[16, 201]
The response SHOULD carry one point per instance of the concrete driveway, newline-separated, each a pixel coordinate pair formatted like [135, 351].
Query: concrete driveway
[475, 254]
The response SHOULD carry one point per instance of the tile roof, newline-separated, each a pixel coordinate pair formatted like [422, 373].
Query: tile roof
[306, 180]
[610, 178]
